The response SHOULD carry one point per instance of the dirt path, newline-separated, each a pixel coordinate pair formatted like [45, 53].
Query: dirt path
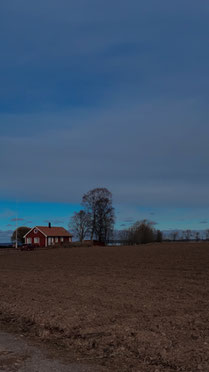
[17, 354]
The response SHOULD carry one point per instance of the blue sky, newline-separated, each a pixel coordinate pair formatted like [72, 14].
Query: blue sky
[110, 94]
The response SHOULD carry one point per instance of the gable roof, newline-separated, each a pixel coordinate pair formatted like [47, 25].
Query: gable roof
[53, 231]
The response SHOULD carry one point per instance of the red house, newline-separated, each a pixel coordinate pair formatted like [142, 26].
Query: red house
[43, 236]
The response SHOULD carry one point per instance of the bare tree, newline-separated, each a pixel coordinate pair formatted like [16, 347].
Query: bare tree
[184, 235]
[159, 236]
[207, 234]
[21, 231]
[98, 204]
[124, 236]
[197, 236]
[142, 232]
[174, 235]
[80, 224]
[188, 234]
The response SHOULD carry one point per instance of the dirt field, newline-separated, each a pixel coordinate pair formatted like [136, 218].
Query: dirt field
[143, 308]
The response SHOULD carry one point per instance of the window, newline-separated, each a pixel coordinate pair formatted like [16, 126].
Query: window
[29, 240]
[62, 239]
[36, 240]
[56, 240]
[69, 239]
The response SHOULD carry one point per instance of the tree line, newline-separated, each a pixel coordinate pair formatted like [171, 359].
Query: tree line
[188, 235]
[96, 219]
[141, 232]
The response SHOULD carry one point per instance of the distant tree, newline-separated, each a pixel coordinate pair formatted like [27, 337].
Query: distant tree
[98, 204]
[124, 236]
[188, 234]
[142, 232]
[174, 235]
[80, 224]
[197, 236]
[159, 236]
[21, 231]
[207, 234]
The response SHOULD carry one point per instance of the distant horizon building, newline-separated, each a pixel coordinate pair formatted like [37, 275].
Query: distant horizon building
[43, 236]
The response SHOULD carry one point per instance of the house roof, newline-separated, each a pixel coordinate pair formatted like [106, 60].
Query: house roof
[53, 231]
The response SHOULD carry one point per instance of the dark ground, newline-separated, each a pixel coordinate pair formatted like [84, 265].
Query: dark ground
[142, 308]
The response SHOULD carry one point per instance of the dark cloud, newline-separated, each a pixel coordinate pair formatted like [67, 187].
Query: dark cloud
[105, 95]
[203, 222]
[69, 55]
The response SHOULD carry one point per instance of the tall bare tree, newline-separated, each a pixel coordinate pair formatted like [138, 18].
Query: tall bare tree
[80, 224]
[98, 204]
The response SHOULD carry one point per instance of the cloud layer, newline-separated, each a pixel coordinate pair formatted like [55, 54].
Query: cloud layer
[108, 94]
[147, 154]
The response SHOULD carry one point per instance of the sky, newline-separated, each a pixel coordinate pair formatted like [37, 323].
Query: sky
[104, 94]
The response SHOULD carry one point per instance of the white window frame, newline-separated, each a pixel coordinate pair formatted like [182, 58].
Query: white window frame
[29, 240]
[36, 240]
[56, 240]
[62, 239]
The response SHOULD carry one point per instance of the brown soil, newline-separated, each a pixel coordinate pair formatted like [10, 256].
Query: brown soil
[142, 308]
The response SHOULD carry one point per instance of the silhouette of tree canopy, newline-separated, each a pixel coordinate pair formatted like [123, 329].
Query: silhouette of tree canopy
[98, 204]
[21, 231]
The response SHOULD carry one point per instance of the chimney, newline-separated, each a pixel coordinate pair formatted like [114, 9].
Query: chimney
[50, 225]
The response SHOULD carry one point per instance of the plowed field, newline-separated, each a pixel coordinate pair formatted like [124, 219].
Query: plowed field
[142, 308]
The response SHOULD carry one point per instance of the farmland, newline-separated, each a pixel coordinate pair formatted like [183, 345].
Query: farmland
[140, 308]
